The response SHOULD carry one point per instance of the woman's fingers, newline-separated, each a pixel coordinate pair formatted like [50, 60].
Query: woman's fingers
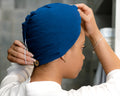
[17, 60]
[84, 8]
[85, 12]
[18, 54]
[19, 43]
[83, 16]
[20, 47]
[21, 50]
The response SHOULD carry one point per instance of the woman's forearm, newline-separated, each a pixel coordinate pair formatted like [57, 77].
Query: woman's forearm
[107, 57]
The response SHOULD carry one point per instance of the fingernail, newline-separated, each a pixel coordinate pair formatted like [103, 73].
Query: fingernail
[31, 55]
[33, 60]
[23, 47]
[30, 63]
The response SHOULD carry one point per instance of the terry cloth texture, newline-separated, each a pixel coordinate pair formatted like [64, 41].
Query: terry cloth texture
[51, 31]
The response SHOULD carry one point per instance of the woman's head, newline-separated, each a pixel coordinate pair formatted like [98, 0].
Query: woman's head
[51, 32]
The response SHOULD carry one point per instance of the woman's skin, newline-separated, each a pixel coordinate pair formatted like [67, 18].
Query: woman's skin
[105, 54]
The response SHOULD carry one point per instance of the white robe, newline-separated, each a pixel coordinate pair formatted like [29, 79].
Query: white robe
[17, 83]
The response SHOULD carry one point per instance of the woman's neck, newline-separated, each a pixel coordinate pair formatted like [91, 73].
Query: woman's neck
[44, 73]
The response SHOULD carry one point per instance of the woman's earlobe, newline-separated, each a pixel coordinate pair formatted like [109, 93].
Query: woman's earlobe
[63, 59]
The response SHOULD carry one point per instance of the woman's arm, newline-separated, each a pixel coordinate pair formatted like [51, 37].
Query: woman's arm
[104, 52]
[107, 57]
[21, 71]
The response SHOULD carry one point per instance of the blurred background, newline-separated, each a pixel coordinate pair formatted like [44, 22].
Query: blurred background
[13, 13]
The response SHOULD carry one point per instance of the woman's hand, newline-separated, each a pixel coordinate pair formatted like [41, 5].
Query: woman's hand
[88, 19]
[16, 54]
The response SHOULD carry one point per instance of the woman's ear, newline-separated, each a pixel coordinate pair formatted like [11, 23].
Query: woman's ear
[67, 55]
[63, 58]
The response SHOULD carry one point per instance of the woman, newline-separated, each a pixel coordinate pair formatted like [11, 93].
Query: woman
[48, 82]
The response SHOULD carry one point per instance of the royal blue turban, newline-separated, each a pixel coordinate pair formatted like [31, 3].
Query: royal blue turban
[51, 31]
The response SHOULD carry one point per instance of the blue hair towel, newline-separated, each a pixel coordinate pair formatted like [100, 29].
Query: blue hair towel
[51, 31]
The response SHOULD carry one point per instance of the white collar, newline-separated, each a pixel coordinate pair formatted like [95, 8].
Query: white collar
[41, 87]
[43, 83]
